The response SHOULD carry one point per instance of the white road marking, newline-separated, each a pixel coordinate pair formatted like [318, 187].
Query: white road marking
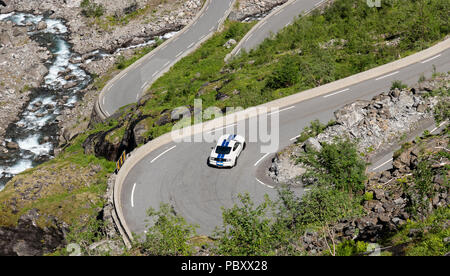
[212, 28]
[320, 3]
[137, 96]
[249, 37]
[123, 76]
[436, 128]
[284, 109]
[144, 85]
[103, 100]
[216, 129]
[202, 37]
[162, 154]
[262, 24]
[132, 195]
[335, 93]
[294, 138]
[262, 183]
[382, 164]
[237, 53]
[388, 75]
[179, 54]
[278, 11]
[190, 45]
[167, 63]
[154, 74]
[265, 155]
[430, 59]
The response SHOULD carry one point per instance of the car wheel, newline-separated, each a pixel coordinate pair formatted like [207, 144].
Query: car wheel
[243, 147]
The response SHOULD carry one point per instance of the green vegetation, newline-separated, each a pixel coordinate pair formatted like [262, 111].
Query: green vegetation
[427, 237]
[169, 235]
[91, 9]
[315, 128]
[351, 248]
[249, 230]
[398, 85]
[338, 164]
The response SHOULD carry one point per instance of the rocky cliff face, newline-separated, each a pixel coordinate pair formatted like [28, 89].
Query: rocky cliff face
[27, 239]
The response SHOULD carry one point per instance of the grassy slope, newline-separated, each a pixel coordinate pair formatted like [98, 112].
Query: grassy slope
[69, 187]
[349, 37]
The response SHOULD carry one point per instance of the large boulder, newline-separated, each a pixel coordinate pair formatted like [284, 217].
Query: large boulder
[351, 113]
[312, 144]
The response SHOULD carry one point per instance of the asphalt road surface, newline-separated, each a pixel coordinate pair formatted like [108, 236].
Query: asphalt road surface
[279, 18]
[177, 173]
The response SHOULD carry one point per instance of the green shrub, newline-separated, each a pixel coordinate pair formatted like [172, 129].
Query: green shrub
[351, 248]
[92, 9]
[247, 230]
[315, 128]
[338, 164]
[285, 75]
[368, 196]
[169, 235]
[398, 85]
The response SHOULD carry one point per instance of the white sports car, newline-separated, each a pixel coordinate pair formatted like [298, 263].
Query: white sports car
[227, 150]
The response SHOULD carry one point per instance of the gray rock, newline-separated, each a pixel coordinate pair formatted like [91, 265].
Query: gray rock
[12, 146]
[230, 43]
[41, 25]
[312, 144]
[397, 221]
[399, 201]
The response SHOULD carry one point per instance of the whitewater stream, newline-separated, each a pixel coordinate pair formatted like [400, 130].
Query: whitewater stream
[36, 132]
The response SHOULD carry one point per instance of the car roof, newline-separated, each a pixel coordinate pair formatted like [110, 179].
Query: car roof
[227, 140]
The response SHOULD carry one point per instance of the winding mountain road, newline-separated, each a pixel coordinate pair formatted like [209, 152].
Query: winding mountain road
[128, 86]
[177, 173]
[163, 171]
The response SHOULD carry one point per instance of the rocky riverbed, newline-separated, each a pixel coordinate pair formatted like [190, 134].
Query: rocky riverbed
[21, 69]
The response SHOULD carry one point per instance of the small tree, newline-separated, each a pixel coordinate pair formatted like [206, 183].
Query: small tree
[421, 191]
[324, 206]
[338, 164]
[248, 230]
[285, 74]
[170, 234]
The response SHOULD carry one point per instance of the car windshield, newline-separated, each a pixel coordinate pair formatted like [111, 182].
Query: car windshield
[223, 150]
